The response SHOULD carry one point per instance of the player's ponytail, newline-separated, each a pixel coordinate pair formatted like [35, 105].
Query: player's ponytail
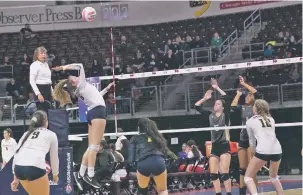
[262, 108]
[60, 94]
[38, 120]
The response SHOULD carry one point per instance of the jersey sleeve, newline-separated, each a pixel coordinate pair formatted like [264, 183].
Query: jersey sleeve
[251, 136]
[2, 149]
[15, 145]
[54, 159]
[78, 67]
[132, 151]
[201, 110]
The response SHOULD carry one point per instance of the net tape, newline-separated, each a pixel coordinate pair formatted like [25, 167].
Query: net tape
[206, 68]
[194, 129]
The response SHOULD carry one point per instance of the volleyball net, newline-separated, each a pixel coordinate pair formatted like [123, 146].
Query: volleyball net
[174, 92]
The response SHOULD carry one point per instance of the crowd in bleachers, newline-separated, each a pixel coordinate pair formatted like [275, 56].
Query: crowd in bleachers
[151, 48]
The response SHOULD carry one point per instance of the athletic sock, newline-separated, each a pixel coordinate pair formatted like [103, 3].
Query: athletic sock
[82, 170]
[91, 172]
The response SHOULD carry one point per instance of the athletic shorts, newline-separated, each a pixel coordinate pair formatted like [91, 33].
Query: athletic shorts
[220, 148]
[244, 144]
[269, 157]
[152, 166]
[98, 112]
[29, 173]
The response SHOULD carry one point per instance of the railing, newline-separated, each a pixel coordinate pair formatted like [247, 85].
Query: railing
[150, 101]
[291, 92]
[251, 20]
[123, 106]
[226, 44]
[182, 66]
[254, 49]
[6, 71]
[6, 108]
[165, 102]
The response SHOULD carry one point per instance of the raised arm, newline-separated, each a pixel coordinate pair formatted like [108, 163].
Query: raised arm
[215, 86]
[248, 87]
[54, 158]
[106, 89]
[235, 101]
[78, 67]
[206, 97]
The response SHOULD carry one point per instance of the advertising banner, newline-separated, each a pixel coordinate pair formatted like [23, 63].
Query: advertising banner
[43, 18]
[65, 185]
[82, 106]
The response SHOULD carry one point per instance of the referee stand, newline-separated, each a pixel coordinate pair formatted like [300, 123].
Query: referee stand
[58, 120]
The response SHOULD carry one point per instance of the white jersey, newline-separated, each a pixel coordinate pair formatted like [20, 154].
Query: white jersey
[8, 149]
[86, 91]
[35, 148]
[264, 132]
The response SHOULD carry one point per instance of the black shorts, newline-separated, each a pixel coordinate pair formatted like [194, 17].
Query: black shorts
[98, 112]
[269, 157]
[244, 144]
[29, 173]
[152, 165]
[220, 148]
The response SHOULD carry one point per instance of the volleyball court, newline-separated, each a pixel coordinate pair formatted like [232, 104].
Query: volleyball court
[174, 92]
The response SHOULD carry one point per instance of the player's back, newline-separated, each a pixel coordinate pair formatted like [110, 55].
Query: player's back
[35, 148]
[263, 130]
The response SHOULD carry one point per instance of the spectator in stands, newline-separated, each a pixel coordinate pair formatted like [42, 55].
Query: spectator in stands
[26, 33]
[50, 59]
[107, 66]
[104, 162]
[96, 69]
[26, 60]
[124, 46]
[197, 43]
[110, 103]
[169, 46]
[294, 75]
[269, 52]
[138, 61]
[121, 137]
[31, 107]
[152, 64]
[170, 61]
[194, 151]
[8, 146]
[12, 89]
[183, 153]
[216, 43]
[118, 65]
[7, 61]
[118, 156]
[188, 44]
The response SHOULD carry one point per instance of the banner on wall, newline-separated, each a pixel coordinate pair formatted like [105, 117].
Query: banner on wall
[82, 106]
[111, 14]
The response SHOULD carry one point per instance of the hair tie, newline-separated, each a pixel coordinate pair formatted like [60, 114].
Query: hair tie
[34, 119]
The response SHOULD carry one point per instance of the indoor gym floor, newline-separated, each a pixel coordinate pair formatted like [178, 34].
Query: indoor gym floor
[292, 185]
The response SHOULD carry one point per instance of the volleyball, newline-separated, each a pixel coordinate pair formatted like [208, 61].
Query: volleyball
[89, 14]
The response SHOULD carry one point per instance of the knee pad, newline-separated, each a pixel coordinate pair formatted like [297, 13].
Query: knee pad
[214, 176]
[142, 191]
[242, 171]
[93, 147]
[274, 179]
[224, 176]
[247, 179]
